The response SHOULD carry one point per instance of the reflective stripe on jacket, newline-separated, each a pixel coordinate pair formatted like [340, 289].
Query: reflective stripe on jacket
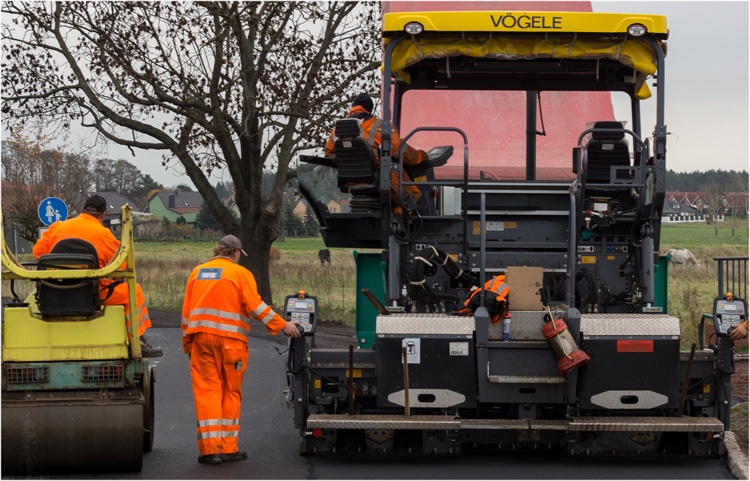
[220, 298]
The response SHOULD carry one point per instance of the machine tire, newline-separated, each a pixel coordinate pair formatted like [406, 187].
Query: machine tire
[148, 412]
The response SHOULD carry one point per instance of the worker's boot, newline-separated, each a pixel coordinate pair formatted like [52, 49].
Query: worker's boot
[210, 459]
[149, 351]
[238, 456]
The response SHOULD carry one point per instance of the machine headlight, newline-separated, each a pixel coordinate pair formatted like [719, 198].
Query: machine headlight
[413, 28]
[637, 30]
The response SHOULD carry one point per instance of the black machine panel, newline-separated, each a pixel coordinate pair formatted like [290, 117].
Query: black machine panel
[302, 310]
[441, 370]
[728, 313]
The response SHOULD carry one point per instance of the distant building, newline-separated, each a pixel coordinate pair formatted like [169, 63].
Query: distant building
[735, 203]
[114, 209]
[300, 210]
[334, 206]
[693, 200]
[174, 204]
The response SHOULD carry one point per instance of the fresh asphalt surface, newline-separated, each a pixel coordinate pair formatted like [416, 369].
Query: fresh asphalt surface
[272, 442]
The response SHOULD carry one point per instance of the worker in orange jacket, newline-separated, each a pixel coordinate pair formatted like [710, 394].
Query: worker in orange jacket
[89, 227]
[220, 299]
[361, 110]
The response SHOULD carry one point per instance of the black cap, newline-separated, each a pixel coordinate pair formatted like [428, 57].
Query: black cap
[96, 203]
[364, 100]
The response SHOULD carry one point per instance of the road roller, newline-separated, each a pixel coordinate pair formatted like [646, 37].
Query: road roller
[77, 395]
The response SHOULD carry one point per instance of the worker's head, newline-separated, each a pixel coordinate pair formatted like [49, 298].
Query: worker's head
[96, 206]
[229, 246]
[364, 100]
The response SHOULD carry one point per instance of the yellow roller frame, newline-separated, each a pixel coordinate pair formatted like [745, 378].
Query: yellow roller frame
[27, 337]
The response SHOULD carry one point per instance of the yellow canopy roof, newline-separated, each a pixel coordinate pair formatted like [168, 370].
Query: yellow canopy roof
[632, 52]
[483, 35]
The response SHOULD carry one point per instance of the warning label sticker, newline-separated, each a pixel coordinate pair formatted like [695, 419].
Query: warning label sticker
[458, 348]
[635, 345]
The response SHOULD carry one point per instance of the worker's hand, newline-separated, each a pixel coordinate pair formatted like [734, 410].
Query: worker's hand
[739, 332]
[290, 330]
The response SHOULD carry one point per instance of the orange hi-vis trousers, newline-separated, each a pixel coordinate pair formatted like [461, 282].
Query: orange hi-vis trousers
[120, 297]
[217, 366]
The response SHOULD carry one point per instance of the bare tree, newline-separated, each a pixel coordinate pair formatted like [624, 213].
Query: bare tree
[714, 197]
[30, 173]
[241, 86]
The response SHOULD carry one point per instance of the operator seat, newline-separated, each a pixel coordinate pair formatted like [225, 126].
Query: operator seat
[357, 172]
[606, 149]
[68, 297]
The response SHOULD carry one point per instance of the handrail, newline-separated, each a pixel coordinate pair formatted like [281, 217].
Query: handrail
[17, 271]
[465, 194]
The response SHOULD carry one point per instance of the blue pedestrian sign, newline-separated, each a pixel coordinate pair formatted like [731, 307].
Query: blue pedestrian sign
[52, 209]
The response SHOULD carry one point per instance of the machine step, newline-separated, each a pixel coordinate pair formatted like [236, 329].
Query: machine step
[684, 424]
[376, 421]
[525, 379]
[575, 424]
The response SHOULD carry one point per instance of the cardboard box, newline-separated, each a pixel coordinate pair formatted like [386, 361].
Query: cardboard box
[524, 283]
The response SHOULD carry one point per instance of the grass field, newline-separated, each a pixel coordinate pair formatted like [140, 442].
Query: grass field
[692, 289]
[163, 269]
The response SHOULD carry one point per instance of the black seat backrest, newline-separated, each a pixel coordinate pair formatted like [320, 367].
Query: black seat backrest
[355, 158]
[606, 149]
[68, 297]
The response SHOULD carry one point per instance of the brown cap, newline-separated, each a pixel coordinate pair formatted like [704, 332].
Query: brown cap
[231, 242]
[95, 202]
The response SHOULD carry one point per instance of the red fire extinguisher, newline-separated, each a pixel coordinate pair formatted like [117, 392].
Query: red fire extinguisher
[569, 356]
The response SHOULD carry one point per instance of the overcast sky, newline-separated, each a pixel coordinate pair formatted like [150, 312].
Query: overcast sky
[707, 89]
[706, 81]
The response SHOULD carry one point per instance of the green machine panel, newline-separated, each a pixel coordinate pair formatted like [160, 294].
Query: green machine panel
[370, 275]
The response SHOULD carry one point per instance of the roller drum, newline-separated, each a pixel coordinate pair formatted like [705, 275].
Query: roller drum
[40, 438]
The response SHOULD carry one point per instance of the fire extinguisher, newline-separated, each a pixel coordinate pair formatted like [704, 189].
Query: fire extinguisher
[569, 356]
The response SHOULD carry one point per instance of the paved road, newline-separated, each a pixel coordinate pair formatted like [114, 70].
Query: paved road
[269, 436]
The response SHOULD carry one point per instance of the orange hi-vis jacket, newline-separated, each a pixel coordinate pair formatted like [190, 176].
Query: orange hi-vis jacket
[496, 299]
[220, 298]
[412, 156]
[90, 229]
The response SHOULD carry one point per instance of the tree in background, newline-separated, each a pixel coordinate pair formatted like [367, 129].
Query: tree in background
[240, 86]
[31, 173]
[694, 181]
[310, 222]
[205, 219]
[713, 195]
[221, 191]
[141, 194]
[124, 178]
[290, 222]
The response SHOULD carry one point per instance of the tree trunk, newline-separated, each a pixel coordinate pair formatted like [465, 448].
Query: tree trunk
[257, 243]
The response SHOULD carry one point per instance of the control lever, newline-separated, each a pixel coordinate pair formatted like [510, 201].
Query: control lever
[375, 302]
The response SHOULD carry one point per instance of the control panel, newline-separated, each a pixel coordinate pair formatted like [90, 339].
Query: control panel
[728, 313]
[301, 309]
